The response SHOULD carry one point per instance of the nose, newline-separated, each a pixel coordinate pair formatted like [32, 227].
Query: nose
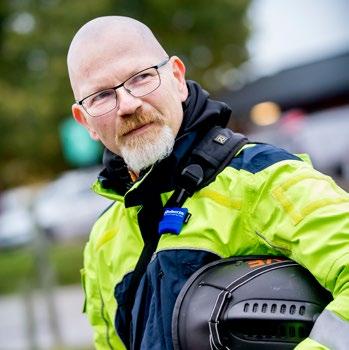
[128, 104]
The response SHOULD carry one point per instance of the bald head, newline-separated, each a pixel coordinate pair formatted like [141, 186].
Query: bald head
[108, 38]
[106, 53]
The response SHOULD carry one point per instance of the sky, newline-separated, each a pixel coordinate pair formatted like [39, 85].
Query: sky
[286, 33]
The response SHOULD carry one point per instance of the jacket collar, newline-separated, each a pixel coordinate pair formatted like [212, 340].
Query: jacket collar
[200, 115]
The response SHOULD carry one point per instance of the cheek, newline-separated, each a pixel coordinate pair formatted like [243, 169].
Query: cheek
[176, 111]
[172, 110]
[105, 128]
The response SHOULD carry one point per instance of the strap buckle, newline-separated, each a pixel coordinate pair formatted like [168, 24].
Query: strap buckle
[191, 178]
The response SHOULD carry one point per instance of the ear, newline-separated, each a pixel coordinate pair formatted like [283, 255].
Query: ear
[79, 116]
[178, 69]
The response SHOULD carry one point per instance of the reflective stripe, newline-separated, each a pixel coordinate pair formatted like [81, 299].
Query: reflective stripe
[331, 331]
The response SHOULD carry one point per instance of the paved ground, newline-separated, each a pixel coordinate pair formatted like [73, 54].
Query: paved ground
[70, 328]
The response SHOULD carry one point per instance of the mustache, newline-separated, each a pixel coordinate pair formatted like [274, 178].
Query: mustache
[137, 120]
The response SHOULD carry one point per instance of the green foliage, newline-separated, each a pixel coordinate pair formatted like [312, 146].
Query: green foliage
[67, 261]
[36, 96]
[19, 267]
[16, 269]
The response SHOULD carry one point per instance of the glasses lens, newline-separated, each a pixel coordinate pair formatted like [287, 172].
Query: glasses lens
[100, 103]
[143, 83]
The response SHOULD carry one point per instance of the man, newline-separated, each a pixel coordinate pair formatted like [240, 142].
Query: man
[134, 99]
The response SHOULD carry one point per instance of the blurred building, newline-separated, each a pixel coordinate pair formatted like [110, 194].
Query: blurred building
[294, 91]
[310, 87]
[304, 109]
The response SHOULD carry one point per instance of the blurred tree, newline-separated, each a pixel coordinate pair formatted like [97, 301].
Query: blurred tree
[34, 85]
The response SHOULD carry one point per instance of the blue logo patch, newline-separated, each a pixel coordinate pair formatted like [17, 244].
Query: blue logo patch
[173, 220]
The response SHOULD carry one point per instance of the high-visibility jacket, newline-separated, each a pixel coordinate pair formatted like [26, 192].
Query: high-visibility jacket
[265, 202]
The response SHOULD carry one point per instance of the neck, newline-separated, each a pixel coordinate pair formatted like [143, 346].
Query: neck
[133, 174]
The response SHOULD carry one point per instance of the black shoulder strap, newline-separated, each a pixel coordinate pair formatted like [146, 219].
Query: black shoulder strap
[208, 159]
[148, 218]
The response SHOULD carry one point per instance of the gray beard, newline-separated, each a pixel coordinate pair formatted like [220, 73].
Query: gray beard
[145, 154]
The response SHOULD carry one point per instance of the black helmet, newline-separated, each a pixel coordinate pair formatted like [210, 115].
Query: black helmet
[247, 303]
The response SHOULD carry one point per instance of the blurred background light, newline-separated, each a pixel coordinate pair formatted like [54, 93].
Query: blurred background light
[37, 60]
[201, 56]
[22, 23]
[265, 113]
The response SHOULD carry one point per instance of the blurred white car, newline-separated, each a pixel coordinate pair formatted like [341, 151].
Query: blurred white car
[67, 207]
[62, 209]
[16, 223]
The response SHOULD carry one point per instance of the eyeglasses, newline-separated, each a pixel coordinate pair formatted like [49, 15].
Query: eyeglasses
[138, 85]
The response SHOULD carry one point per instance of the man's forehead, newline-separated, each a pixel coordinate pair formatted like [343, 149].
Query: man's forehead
[114, 36]
[114, 50]
[100, 71]
[116, 57]
[105, 54]
[120, 35]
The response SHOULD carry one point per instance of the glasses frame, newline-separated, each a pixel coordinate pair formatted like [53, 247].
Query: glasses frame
[157, 66]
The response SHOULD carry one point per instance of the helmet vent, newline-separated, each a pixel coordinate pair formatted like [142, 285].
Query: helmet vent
[302, 310]
[270, 320]
[264, 308]
[302, 332]
[274, 308]
[269, 331]
[283, 308]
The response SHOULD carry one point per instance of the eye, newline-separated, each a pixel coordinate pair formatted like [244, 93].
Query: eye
[102, 96]
[142, 78]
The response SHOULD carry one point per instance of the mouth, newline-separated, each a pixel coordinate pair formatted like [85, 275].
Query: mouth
[139, 129]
